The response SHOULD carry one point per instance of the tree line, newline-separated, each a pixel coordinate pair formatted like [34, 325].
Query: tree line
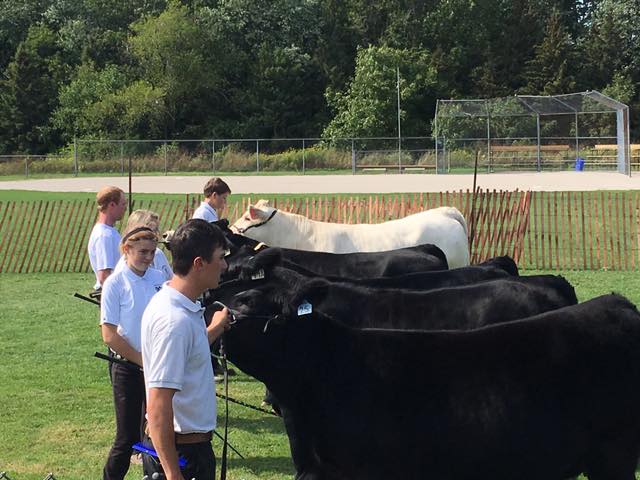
[293, 68]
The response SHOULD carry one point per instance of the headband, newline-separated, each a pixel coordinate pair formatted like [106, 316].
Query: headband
[134, 231]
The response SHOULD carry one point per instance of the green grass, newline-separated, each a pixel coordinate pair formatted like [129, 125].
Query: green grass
[57, 412]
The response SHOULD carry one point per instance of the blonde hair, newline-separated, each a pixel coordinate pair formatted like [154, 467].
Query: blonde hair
[135, 233]
[143, 218]
[106, 195]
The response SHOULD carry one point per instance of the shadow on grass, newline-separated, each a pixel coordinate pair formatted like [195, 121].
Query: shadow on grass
[262, 466]
[266, 424]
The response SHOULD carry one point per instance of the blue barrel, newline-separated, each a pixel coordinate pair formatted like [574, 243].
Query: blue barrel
[579, 164]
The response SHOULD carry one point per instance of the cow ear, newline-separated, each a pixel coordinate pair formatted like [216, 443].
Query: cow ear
[261, 262]
[255, 213]
[313, 292]
[222, 224]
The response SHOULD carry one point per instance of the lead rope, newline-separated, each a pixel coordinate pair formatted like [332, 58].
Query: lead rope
[223, 463]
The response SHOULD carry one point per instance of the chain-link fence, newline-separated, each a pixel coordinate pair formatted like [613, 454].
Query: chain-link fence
[524, 132]
[257, 156]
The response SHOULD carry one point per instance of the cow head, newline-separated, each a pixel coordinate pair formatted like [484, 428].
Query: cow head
[256, 216]
[504, 262]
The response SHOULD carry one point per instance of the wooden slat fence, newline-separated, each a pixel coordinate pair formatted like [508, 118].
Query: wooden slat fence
[541, 230]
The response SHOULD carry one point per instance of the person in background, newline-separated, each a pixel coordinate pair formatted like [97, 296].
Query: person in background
[216, 192]
[181, 401]
[125, 295]
[150, 219]
[105, 238]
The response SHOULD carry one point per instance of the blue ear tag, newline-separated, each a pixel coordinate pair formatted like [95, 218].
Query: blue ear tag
[259, 275]
[304, 308]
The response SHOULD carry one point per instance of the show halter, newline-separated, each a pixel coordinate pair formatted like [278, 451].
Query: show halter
[241, 231]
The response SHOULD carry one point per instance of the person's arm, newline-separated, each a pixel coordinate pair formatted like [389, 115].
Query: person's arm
[118, 344]
[110, 319]
[219, 323]
[160, 418]
[106, 257]
[102, 275]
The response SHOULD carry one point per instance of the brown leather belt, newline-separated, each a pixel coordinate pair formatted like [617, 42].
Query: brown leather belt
[199, 437]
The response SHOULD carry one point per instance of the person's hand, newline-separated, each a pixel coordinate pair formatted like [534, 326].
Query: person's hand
[221, 319]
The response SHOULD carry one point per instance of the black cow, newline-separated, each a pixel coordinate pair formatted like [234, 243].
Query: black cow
[542, 398]
[352, 265]
[459, 307]
[420, 258]
[499, 267]
[445, 308]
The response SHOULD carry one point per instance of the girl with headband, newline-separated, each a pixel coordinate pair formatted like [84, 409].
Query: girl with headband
[125, 295]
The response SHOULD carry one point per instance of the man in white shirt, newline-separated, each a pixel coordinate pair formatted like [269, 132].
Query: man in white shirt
[105, 239]
[216, 192]
[181, 404]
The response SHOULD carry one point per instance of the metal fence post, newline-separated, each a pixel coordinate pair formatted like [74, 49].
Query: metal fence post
[213, 156]
[165, 158]
[303, 159]
[577, 138]
[257, 156]
[538, 149]
[122, 157]
[353, 157]
[26, 166]
[75, 156]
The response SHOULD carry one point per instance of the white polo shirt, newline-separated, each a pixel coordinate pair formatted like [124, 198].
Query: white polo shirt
[125, 295]
[160, 262]
[176, 355]
[206, 212]
[103, 248]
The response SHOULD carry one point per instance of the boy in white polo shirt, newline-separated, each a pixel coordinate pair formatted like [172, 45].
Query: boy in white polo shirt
[216, 192]
[104, 241]
[181, 403]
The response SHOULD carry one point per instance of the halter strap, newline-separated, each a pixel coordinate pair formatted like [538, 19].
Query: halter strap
[242, 230]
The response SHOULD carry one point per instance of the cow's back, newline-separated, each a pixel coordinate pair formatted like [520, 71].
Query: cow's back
[444, 227]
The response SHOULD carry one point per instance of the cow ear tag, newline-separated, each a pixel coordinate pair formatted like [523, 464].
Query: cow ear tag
[304, 308]
[259, 275]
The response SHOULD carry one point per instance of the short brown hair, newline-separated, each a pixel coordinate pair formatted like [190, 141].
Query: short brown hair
[194, 238]
[106, 195]
[216, 185]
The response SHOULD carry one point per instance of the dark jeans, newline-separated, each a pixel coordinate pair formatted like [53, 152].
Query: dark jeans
[201, 462]
[128, 400]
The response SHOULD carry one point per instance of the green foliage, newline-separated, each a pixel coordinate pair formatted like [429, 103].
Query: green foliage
[74, 115]
[369, 107]
[284, 95]
[28, 93]
[611, 43]
[291, 68]
[622, 88]
[548, 72]
[170, 50]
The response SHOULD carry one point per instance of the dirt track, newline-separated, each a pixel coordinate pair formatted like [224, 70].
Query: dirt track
[376, 183]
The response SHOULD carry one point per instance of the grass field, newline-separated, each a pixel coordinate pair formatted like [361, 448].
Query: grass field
[57, 413]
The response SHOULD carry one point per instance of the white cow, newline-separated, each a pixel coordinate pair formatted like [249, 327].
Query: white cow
[444, 227]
